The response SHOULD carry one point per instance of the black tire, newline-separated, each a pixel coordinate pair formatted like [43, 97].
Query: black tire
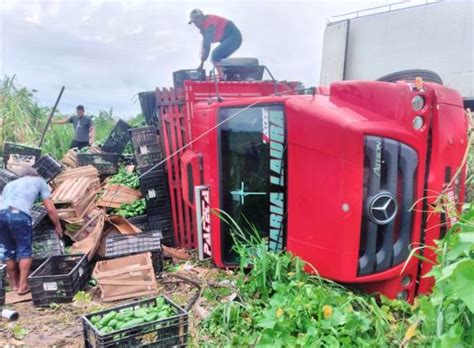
[411, 75]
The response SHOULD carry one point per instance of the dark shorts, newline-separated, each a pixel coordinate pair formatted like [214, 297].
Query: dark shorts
[16, 233]
[78, 144]
[227, 46]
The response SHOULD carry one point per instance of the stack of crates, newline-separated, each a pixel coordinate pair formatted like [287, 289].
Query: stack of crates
[119, 245]
[154, 188]
[153, 181]
[147, 148]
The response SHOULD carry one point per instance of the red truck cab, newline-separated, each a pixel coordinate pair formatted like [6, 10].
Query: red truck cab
[344, 178]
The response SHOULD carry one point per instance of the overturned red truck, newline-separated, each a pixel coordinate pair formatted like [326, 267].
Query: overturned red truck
[344, 177]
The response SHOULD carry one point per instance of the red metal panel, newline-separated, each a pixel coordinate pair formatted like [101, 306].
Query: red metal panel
[175, 137]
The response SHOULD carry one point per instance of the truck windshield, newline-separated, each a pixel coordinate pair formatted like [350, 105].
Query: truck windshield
[253, 160]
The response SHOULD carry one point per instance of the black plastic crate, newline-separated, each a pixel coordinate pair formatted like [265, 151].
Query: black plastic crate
[118, 138]
[168, 332]
[105, 163]
[117, 245]
[37, 213]
[127, 160]
[148, 105]
[46, 243]
[188, 74]
[19, 149]
[48, 167]
[5, 177]
[147, 148]
[58, 279]
[140, 221]
[165, 225]
[3, 271]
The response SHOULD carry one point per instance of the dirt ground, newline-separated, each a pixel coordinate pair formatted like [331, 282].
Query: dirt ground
[60, 325]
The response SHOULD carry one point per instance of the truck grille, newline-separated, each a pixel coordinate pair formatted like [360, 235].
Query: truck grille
[388, 195]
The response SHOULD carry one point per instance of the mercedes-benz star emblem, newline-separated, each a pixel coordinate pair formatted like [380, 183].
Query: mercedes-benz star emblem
[383, 208]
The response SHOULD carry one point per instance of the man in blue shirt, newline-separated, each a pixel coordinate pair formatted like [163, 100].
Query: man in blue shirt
[16, 231]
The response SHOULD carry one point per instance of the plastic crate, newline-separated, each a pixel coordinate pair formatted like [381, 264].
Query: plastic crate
[140, 221]
[37, 213]
[58, 279]
[117, 245]
[105, 163]
[3, 271]
[165, 225]
[19, 149]
[48, 167]
[127, 160]
[168, 332]
[146, 146]
[148, 105]
[46, 243]
[5, 177]
[188, 74]
[118, 138]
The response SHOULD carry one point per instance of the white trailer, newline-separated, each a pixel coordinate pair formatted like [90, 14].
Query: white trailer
[369, 44]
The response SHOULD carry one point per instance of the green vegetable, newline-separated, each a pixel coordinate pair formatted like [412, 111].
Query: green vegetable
[95, 319]
[113, 323]
[150, 317]
[135, 208]
[140, 313]
[107, 319]
[132, 323]
[125, 178]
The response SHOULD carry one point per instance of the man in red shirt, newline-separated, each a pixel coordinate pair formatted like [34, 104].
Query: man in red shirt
[216, 29]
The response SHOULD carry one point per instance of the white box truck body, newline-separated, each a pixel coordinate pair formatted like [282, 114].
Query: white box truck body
[434, 36]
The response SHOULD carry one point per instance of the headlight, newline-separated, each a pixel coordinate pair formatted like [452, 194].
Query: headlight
[418, 122]
[418, 102]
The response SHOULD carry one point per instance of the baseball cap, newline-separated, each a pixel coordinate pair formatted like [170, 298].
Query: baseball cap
[196, 13]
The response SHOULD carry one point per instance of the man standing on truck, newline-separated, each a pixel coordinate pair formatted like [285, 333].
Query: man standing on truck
[83, 128]
[216, 29]
[16, 231]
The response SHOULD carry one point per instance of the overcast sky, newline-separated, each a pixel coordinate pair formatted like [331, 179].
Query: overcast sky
[105, 52]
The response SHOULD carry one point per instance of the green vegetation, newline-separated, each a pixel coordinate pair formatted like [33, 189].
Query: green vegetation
[135, 208]
[280, 305]
[125, 178]
[22, 120]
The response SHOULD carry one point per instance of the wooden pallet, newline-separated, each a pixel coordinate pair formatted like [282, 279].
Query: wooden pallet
[116, 195]
[86, 171]
[74, 196]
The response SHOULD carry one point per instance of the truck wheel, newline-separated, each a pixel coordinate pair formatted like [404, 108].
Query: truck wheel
[411, 75]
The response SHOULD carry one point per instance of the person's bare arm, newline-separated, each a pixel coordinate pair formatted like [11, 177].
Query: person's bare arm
[53, 215]
[60, 121]
[91, 135]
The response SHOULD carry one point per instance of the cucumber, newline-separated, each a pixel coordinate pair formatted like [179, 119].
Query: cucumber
[113, 324]
[140, 313]
[150, 317]
[95, 319]
[107, 318]
[132, 323]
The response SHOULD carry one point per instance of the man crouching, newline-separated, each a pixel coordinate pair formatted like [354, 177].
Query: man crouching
[16, 231]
